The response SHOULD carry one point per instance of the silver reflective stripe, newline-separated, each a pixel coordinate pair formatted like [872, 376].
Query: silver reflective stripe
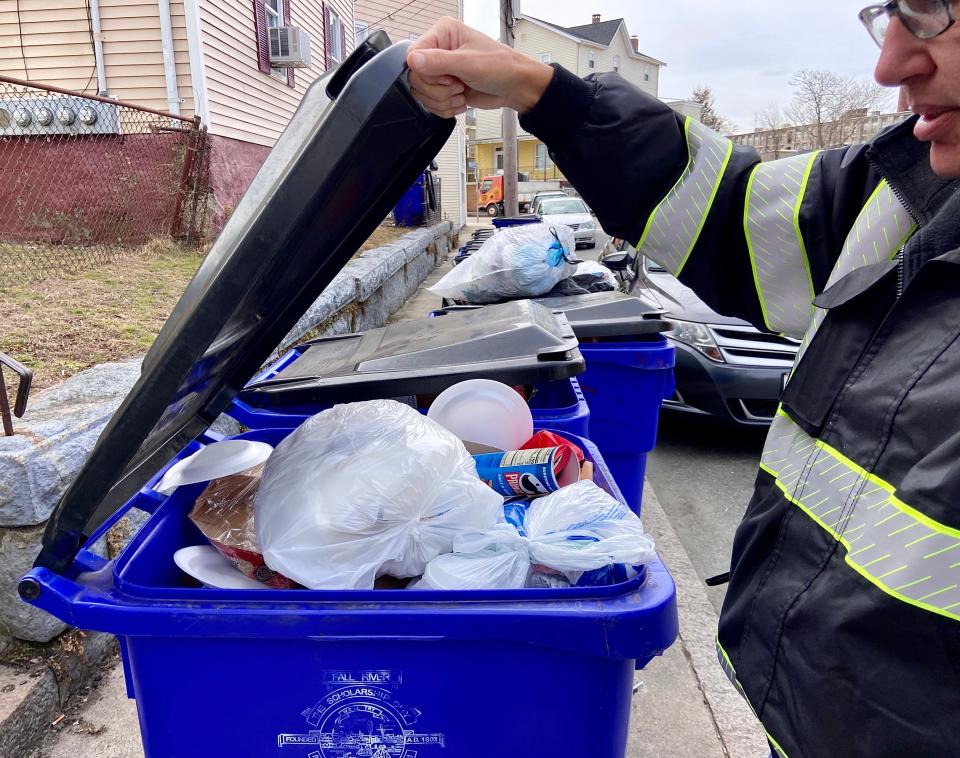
[675, 225]
[771, 223]
[881, 230]
[890, 544]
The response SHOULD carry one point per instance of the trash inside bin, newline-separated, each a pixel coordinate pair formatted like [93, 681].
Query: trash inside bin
[289, 672]
[629, 374]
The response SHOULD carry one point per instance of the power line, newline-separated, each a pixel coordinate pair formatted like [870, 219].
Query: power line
[23, 51]
[389, 15]
[398, 22]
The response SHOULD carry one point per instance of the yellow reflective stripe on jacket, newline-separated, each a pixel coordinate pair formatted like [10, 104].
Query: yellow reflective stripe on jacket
[778, 256]
[903, 552]
[731, 673]
[883, 227]
[674, 226]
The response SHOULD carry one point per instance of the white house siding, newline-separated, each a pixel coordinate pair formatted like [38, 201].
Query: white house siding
[245, 103]
[405, 20]
[56, 48]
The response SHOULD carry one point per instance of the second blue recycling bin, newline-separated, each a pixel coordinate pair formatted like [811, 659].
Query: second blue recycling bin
[629, 373]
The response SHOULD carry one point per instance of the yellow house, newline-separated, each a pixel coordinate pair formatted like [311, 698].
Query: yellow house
[206, 58]
[597, 47]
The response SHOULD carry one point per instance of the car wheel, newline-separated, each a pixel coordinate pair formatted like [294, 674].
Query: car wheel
[492, 210]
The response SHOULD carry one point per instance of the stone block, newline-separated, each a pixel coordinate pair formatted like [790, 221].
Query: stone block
[19, 548]
[29, 702]
[54, 439]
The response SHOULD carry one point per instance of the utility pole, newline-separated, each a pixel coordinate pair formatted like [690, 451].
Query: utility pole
[509, 124]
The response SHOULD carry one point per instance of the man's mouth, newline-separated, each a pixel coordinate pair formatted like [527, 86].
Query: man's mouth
[935, 121]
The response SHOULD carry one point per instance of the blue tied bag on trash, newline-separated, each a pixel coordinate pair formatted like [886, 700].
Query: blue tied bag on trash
[521, 261]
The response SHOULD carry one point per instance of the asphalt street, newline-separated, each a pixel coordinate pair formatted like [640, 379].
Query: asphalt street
[703, 471]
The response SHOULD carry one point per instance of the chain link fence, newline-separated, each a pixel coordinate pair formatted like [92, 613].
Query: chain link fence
[88, 179]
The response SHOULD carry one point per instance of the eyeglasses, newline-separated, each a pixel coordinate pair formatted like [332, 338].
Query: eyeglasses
[925, 19]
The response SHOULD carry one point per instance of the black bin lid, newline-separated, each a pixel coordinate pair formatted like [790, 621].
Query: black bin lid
[356, 143]
[516, 343]
[599, 315]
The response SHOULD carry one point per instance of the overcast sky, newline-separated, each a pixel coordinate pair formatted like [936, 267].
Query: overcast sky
[746, 50]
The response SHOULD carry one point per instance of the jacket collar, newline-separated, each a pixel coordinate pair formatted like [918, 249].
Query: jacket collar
[934, 202]
[904, 162]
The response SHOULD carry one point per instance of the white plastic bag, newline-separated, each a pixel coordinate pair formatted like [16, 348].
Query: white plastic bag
[521, 261]
[365, 490]
[577, 529]
[597, 270]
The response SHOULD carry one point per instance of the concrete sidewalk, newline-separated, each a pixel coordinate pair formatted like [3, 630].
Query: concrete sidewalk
[683, 705]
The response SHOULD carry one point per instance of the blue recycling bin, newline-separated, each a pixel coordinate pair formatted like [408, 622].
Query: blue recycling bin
[505, 222]
[625, 384]
[409, 210]
[301, 673]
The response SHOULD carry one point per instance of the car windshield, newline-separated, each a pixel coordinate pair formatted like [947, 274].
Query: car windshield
[558, 206]
[487, 184]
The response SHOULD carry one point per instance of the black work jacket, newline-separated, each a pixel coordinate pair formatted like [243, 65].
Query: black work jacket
[841, 625]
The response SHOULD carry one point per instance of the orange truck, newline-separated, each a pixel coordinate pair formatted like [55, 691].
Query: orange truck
[491, 193]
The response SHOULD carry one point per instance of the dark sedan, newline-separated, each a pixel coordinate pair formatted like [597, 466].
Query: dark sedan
[725, 366]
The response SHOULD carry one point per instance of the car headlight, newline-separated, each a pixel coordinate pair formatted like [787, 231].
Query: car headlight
[587, 226]
[696, 336]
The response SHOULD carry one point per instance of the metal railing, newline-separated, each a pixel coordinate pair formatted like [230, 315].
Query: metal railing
[535, 173]
[87, 179]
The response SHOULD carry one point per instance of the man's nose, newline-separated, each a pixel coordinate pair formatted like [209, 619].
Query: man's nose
[902, 57]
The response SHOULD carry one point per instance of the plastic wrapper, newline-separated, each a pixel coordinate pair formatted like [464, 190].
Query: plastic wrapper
[224, 514]
[561, 539]
[521, 261]
[598, 271]
[366, 490]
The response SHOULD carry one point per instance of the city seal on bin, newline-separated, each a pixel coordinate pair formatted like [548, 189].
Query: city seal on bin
[360, 716]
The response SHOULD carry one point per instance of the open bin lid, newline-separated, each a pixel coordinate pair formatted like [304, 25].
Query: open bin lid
[516, 343]
[598, 315]
[358, 140]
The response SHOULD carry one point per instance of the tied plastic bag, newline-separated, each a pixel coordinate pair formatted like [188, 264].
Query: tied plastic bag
[224, 514]
[597, 271]
[572, 532]
[364, 490]
[521, 261]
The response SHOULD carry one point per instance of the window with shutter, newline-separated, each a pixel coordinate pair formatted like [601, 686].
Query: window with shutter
[336, 45]
[262, 36]
[326, 36]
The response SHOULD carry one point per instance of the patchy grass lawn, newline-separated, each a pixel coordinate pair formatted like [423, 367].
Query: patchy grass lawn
[60, 326]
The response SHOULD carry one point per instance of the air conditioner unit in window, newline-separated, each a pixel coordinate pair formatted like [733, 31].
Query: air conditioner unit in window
[289, 47]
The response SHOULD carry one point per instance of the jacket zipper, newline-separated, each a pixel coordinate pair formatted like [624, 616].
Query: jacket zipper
[901, 256]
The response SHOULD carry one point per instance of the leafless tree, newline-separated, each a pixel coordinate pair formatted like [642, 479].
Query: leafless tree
[777, 132]
[828, 108]
[709, 117]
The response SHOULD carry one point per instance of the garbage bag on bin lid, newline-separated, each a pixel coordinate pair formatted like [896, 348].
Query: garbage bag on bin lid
[522, 261]
[364, 490]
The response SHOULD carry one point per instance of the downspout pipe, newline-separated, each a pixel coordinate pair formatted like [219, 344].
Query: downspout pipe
[98, 48]
[169, 61]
